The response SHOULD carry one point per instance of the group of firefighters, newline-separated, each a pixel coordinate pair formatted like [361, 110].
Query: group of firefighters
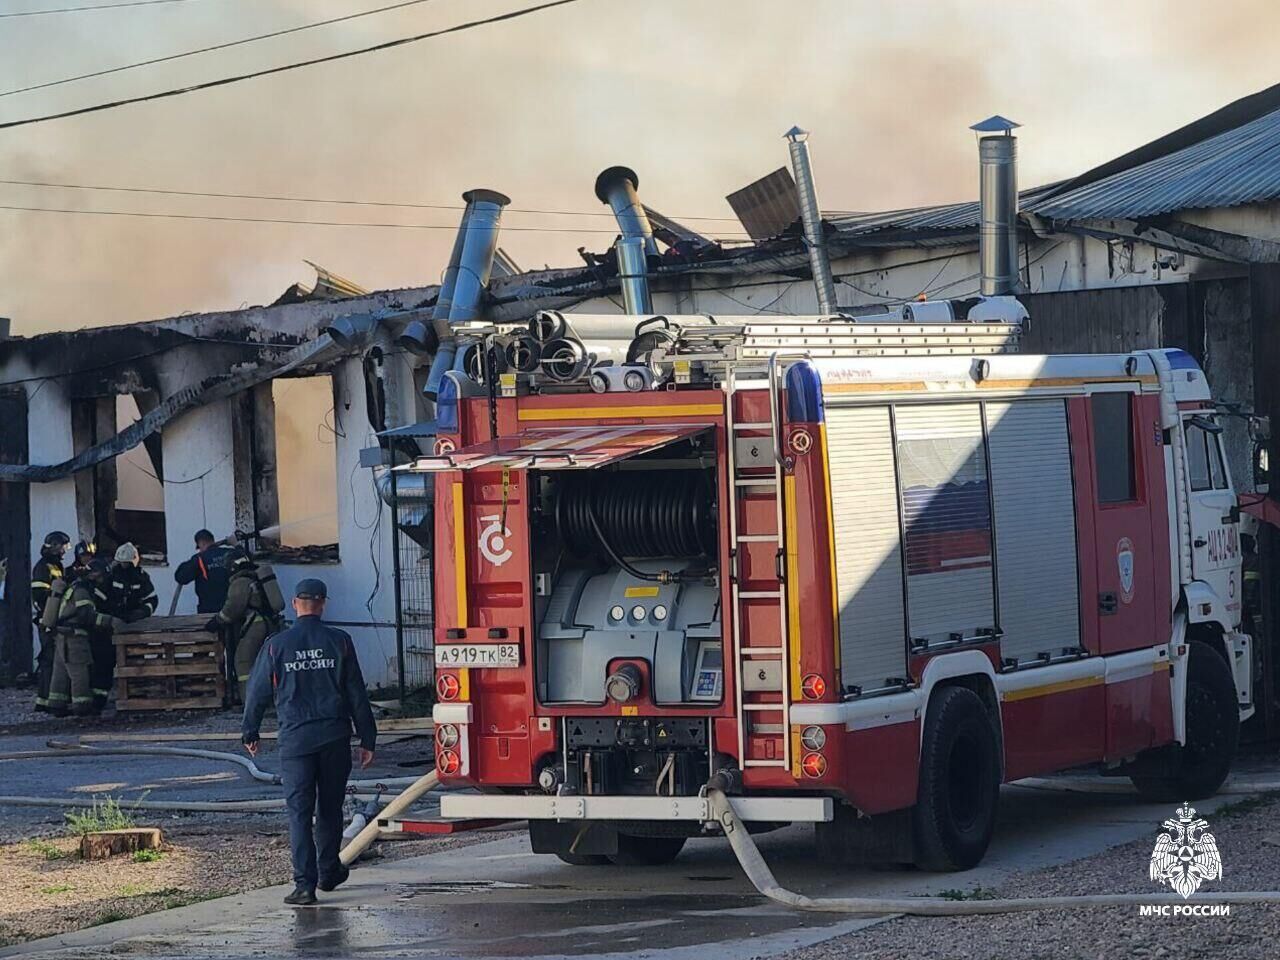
[77, 608]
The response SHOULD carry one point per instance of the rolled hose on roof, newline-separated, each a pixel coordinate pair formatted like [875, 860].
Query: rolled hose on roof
[762, 878]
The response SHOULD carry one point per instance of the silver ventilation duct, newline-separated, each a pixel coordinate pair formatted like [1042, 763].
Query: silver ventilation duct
[466, 276]
[998, 202]
[478, 249]
[633, 275]
[811, 218]
[616, 186]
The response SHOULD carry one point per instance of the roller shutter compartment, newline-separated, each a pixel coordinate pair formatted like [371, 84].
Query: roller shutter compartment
[868, 547]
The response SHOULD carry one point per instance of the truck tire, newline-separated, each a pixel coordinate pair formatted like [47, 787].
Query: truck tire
[646, 851]
[1197, 769]
[955, 811]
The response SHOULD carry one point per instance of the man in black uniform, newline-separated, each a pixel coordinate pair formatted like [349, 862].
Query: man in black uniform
[208, 570]
[81, 557]
[44, 574]
[311, 673]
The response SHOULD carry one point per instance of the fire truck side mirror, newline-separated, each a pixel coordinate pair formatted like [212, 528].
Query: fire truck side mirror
[1261, 467]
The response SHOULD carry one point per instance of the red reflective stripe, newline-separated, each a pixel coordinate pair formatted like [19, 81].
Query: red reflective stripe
[200, 564]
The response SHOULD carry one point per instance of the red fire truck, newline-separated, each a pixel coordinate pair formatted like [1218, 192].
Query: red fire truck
[854, 571]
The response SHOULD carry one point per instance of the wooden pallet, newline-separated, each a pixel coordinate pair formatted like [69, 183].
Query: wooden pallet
[169, 663]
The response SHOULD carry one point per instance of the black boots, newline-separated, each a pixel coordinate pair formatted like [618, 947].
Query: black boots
[301, 897]
[330, 885]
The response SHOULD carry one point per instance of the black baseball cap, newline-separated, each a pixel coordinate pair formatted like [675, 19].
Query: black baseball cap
[311, 589]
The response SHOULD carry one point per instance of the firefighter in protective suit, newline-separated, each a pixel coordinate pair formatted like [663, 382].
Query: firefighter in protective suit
[46, 572]
[133, 595]
[247, 617]
[83, 611]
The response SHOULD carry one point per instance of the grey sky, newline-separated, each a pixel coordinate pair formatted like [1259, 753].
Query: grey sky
[694, 94]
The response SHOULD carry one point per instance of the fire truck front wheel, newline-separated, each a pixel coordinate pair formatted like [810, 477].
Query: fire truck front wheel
[583, 859]
[1196, 770]
[955, 810]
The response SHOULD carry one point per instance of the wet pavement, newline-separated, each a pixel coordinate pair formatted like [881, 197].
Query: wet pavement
[496, 899]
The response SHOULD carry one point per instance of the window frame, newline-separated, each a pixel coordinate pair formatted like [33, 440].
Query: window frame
[1137, 496]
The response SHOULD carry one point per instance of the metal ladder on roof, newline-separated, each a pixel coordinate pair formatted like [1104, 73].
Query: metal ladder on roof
[764, 668]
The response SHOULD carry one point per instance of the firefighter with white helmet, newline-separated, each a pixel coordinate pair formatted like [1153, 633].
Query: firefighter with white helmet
[133, 595]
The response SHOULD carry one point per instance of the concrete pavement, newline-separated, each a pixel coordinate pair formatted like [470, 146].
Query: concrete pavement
[496, 899]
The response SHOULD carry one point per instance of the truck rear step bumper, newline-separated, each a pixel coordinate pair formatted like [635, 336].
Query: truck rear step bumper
[774, 809]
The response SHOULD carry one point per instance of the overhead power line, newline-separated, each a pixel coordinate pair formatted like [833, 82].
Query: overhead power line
[311, 223]
[213, 47]
[101, 6]
[297, 65]
[408, 205]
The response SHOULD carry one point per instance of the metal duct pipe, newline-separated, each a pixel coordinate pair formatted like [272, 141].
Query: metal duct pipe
[811, 218]
[633, 275]
[478, 248]
[466, 277]
[409, 486]
[998, 203]
[617, 187]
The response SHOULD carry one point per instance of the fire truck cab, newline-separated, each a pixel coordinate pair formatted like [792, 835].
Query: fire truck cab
[853, 572]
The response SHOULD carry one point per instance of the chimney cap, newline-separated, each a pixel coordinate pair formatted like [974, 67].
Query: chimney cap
[481, 195]
[797, 135]
[612, 175]
[995, 124]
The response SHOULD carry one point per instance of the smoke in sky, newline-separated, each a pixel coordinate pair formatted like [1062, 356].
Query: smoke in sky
[694, 94]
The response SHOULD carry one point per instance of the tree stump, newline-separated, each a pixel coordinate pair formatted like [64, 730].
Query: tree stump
[109, 843]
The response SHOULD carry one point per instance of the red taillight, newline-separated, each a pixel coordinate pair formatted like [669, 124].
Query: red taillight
[813, 687]
[447, 763]
[813, 764]
[448, 686]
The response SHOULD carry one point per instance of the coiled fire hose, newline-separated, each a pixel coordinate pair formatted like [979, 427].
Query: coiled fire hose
[762, 878]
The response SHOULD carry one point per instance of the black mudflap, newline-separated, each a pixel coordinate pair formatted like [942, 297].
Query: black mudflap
[581, 838]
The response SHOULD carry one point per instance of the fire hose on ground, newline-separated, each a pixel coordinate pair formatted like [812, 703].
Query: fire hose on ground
[762, 878]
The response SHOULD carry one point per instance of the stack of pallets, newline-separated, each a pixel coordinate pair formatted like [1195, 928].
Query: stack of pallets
[169, 663]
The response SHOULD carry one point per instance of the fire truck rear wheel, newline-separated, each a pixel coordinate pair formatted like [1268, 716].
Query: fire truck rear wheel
[1197, 770]
[646, 851]
[955, 812]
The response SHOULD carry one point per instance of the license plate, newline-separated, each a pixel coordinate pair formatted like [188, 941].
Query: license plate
[490, 655]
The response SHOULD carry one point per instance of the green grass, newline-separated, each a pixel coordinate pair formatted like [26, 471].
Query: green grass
[1238, 808]
[147, 856]
[106, 814]
[60, 888]
[45, 849]
[977, 893]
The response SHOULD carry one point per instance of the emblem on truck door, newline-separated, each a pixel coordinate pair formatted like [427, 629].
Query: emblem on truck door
[493, 541]
[1124, 561]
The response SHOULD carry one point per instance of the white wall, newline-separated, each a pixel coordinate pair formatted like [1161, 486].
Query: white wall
[53, 505]
[199, 490]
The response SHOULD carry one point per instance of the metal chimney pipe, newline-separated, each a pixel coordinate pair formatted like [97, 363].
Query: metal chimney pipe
[476, 262]
[617, 187]
[633, 274]
[998, 203]
[811, 218]
[465, 278]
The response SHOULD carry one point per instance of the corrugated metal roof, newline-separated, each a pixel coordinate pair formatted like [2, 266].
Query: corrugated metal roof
[1228, 158]
[947, 216]
[1235, 167]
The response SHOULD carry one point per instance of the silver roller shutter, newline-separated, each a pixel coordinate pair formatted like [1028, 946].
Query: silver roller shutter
[946, 512]
[1035, 527]
[868, 549]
